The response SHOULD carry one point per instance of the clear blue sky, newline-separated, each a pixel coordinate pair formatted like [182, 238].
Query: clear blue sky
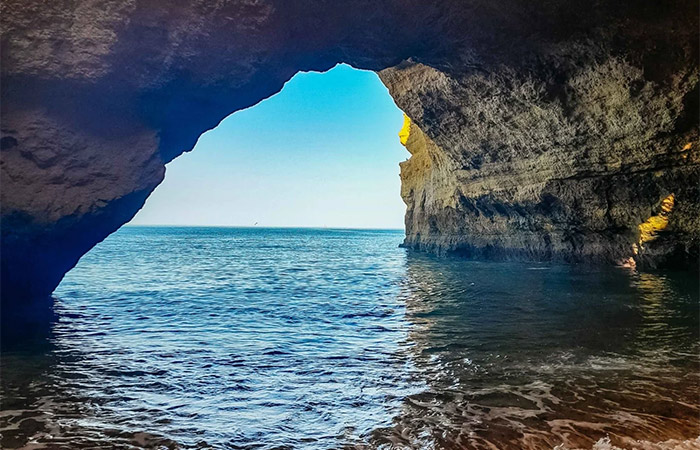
[323, 152]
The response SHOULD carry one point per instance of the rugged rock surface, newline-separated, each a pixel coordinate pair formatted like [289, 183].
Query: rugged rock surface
[511, 170]
[549, 129]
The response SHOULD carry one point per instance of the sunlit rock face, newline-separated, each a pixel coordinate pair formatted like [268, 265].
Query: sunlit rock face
[539, 130]
[572, 159]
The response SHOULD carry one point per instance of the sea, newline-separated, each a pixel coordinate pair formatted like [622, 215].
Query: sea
[292, 338]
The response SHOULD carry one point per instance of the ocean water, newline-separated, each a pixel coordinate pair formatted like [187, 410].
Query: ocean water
[235, 338]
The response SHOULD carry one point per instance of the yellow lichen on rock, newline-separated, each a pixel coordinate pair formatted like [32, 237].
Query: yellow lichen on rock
[649, 229]
[405, 130]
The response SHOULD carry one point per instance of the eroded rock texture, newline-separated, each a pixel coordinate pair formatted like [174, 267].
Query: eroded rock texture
[525, 167]
[539, 129]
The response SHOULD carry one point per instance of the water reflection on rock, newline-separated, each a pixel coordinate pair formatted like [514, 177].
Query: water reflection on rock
[537, 356]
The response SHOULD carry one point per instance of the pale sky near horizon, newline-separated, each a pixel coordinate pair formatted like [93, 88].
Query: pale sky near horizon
[324, 152]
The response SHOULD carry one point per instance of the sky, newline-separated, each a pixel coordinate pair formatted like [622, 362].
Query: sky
[324, 152]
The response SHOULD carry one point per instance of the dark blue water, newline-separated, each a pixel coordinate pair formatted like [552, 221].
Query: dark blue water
[318, 339]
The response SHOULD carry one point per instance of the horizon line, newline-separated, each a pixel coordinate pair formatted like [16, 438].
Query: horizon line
[262, 226]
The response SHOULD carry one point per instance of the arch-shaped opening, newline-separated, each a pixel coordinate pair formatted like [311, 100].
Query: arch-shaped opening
[275, 243]
[555, 130]
[323, 152]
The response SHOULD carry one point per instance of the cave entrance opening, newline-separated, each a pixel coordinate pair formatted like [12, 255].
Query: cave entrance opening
[323, 152]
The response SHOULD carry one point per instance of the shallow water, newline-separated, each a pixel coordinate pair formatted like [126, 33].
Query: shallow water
[318, 339]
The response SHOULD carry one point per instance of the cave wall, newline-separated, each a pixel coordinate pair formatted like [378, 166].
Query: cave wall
[512, 170]
[539, 129]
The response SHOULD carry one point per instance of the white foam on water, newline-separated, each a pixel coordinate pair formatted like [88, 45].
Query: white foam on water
[671, 444]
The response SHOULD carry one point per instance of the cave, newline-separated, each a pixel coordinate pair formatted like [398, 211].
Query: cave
[537, 131]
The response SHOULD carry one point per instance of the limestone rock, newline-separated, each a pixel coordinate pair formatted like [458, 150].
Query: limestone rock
[510, 171]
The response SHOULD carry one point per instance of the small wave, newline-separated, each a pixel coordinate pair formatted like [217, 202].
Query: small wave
[671, 444]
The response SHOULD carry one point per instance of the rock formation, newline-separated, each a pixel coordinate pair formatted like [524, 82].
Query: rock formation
[538, 129]
[524, 173]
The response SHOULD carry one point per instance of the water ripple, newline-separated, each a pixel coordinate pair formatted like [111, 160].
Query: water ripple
[319, 339]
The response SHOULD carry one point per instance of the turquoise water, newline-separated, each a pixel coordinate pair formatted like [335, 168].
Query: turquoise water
[318, 339]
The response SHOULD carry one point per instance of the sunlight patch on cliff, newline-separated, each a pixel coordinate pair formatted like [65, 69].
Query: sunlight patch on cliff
[405, 131]
[649, 229]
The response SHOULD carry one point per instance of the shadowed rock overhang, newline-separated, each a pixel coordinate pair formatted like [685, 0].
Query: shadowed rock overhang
[541, 130]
